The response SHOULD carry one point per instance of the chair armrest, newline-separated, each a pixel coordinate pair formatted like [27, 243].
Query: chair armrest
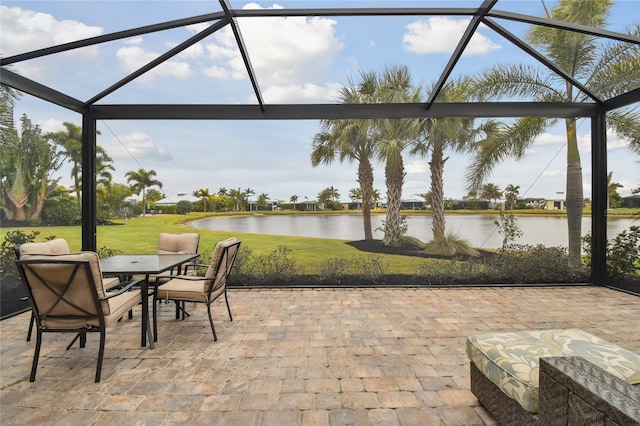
[188, 277]
[575, 391]
[121, 289]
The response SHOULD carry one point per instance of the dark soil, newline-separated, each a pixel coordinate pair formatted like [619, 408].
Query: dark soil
[377, 246]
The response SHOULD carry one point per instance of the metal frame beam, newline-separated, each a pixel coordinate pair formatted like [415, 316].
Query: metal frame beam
[459, 50]
[335, 111]
[599, 198]
[243, 51]
[40, 91]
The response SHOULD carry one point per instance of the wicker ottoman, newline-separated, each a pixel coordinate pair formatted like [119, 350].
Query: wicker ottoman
[505, 367]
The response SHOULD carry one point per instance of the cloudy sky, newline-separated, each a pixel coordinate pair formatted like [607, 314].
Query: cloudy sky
[297, 60]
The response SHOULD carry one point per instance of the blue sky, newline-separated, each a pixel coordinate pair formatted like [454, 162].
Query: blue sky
[296, 60]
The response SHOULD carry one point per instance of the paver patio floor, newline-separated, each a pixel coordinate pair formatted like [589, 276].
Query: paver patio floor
[291, 357]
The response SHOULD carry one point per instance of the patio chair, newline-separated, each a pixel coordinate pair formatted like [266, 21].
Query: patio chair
[205, 289]
[175, 244]
[68, 295]
[55, 246]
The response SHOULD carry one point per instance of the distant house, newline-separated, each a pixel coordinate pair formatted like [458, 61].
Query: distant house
[554, 204]
[172, 201]
[631, 201]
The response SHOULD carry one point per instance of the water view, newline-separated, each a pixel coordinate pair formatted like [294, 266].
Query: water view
[479, 230]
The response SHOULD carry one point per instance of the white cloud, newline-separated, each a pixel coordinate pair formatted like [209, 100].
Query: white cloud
[284, 52]
[133, 40]
[51, 125]
[549, 138]
[134, 57]
[417, 166]
[27, 30]
[307, 92]
[136, 144]
[441, 35]
[553, 173]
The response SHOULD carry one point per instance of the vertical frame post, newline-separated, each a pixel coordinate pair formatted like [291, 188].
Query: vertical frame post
[599, 197]
[89, 215]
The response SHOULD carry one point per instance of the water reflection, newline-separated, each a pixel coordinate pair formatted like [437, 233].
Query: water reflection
[479, 230]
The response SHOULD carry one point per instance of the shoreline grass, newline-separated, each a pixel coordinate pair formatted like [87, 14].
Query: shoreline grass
[139, 235]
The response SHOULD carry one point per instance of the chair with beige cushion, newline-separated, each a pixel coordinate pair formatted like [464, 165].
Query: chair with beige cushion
[205, 289]
[52, 247]
[175, 244]
[67, 295]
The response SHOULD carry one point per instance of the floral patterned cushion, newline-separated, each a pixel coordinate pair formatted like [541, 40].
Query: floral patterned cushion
[511, 360]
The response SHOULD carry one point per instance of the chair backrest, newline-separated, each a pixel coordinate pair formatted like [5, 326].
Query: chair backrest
[222, 259]
[57, 246]
[64, 289]
[178, 243]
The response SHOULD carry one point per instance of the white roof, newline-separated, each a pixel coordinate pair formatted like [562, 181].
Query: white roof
[174, 200]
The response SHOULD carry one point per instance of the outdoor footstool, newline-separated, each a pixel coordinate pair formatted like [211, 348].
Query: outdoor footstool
[505, 370]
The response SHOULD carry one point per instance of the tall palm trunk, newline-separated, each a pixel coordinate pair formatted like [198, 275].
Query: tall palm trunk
[574, 194]
[18, 195]
[365, 179]
[436, 166]
[394, 177]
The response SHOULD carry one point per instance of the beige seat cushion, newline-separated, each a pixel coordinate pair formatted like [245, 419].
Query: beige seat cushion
[57, 276]
[511, 360]
[57, 246]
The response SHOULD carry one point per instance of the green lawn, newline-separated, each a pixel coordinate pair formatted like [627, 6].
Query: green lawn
[140, 235]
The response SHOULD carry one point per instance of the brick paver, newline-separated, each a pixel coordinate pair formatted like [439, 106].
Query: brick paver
[292, 356]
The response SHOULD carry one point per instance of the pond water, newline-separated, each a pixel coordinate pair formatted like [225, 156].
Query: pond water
[479, 230]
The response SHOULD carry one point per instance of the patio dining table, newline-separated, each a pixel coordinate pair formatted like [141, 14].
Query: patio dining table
[144, 264]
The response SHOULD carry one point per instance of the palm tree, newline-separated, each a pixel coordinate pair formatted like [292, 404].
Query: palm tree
[355, 194]
[511, 193]
[328, 196]
[350, 140]
[436, 136]
[613, 198]
[490, 192]
[294, 200]
[393, 136]
[607, 69]
[263, 200]
[205, 195]
[142, 180]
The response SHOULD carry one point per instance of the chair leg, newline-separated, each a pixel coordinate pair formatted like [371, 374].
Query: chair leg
[33, 319]
[155, 318]
[100, 355]
[36, 355]
[226, 299]
[215, 337]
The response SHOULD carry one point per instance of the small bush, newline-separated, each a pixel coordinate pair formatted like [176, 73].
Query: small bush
[108, 252]
[623, 253]
[276, 266]
[338, 269]
[412, 242]
[243, 266]
[450, 245]
[522, 264]
[448, 272]
[333, 269]
[184, 207]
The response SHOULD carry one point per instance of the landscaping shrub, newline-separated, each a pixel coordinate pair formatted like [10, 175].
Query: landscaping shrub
[277, 266]
[623, 253]
[184, 207]
[339, 270]
[450, 272]
[521, 264]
